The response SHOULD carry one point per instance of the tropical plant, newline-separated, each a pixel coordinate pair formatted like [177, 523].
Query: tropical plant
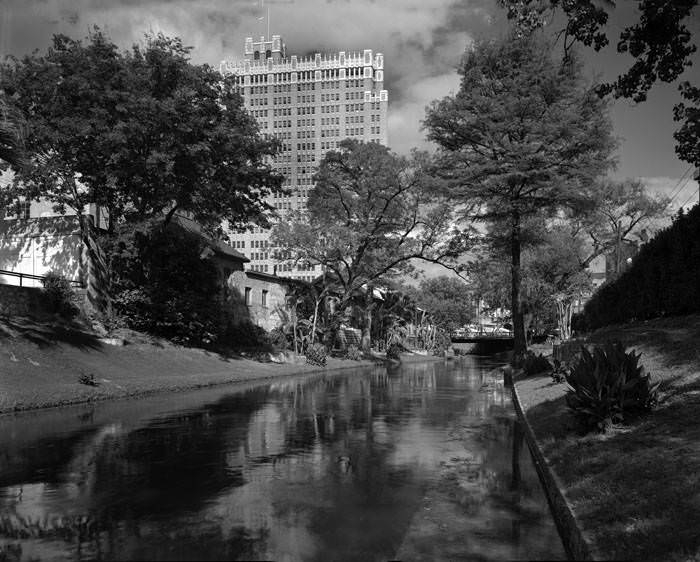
[353, 353]
[608, 384]
[278, 338]
[560, 371]
[394, 350]
[316, 354]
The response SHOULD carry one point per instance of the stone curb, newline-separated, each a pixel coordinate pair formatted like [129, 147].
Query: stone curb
[577, 546]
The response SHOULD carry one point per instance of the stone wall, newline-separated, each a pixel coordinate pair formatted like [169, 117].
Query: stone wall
[265, 311]
[20, 301]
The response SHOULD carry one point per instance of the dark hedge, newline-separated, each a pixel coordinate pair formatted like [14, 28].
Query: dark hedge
[663, 280]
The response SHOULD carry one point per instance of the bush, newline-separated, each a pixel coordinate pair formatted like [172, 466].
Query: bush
[560, 372]
[353, 353]
[59, 294]
[535, 364]
[278, 339]
[607, 385]
[162, 285]
[394, 350]
[442, 342]
[316, 354]
[246, 335]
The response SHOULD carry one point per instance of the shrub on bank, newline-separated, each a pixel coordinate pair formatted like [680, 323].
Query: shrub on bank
[316, 354]
[535, 364]
[353, 353]
[59, 294]
[607, 385]
[394, 351]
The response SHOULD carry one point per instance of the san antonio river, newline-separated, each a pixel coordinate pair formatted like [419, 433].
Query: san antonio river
[408, 463]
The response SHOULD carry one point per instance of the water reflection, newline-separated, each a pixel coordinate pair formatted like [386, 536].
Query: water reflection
[408, 462]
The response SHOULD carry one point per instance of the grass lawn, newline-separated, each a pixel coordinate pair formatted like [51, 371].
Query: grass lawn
[41, 364]
[635, 489]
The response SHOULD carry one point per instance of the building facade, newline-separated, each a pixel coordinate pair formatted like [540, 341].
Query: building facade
[310, 104]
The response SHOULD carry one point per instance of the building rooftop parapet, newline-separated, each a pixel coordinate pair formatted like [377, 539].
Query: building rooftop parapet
[279, 62]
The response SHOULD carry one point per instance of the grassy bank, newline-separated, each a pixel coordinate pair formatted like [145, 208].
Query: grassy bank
[42, 365]
[636, 489]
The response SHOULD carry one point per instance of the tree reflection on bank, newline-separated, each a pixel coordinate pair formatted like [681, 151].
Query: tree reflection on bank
[296, 469]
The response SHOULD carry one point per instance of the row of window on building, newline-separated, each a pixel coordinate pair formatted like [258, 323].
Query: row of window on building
[328, 78]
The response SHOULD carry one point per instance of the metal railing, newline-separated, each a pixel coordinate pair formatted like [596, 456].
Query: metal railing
[31, 276]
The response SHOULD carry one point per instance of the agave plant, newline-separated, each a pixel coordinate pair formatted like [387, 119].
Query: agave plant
[607, 384]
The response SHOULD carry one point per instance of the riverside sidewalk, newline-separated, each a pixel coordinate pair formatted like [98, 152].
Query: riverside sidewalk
[634, 492]
[41, 366]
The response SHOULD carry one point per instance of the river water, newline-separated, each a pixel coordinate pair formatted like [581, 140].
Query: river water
[412, 463]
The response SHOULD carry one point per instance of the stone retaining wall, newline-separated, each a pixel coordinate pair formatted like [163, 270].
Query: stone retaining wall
[20, 301]
[576, 544]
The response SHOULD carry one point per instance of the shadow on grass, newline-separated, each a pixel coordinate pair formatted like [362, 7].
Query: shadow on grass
[636, 489]
[48, 333]
[675, 339]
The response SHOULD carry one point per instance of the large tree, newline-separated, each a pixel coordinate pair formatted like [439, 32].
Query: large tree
[142, 133]
[369, 215]
[522, 136]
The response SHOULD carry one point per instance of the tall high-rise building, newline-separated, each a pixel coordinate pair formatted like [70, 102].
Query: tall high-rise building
[310, 104]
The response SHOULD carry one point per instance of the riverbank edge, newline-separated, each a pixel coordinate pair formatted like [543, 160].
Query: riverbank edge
[576, 544]
[235, 379]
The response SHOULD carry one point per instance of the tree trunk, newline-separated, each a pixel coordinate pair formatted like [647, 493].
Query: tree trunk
[313, 325]
[564, 318]
[519, 343]
[97, 274]
[367, 325]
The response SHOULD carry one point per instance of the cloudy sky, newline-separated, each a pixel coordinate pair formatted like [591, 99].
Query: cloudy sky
[422, 40]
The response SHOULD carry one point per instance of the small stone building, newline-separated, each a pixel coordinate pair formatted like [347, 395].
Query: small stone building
[258, 297]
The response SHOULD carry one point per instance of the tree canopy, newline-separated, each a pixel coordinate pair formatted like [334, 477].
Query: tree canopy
[142, 133]
[523, 136]
[447, 300]
[370, 213]
[659, 42]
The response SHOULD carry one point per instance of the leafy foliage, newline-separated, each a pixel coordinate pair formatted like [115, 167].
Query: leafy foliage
[607, 385]
[278, 339]
[441, 343]
[11, 136]
[560, 371]
[662, 280]
[523, 136]
[370, 213]
[59, 294]
[141, 133]
[394, 351]
[534, 364]
[87, 379]
[688, 113]
[447, 300]
[353, 353]
[316, 354]
[246, 335]
[659, 42]
[161, 283]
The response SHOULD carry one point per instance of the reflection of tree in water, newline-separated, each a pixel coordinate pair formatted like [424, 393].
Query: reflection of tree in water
[216, 480]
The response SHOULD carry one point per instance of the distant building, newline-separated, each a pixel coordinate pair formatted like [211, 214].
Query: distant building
[310, 104]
